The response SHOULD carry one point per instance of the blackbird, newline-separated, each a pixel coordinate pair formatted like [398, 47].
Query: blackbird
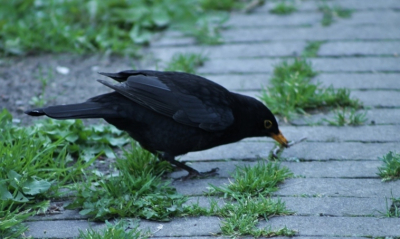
[173, 113]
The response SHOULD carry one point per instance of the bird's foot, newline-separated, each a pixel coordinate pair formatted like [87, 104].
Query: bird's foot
[196, 174]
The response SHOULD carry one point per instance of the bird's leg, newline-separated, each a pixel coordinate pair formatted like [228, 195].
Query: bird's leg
[193, 173]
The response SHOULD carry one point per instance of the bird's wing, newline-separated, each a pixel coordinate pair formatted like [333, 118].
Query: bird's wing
[177, 101]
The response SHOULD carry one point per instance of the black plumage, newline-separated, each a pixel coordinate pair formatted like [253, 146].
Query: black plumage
[173, 113]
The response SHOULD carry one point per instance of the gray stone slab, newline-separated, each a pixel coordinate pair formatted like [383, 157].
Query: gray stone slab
[233, 50]
[60, 229]
[386, 99]
[241, 82]
[338, 226]
[317, 33]
[381, 133]
[326, 169]
[336, 206]
[265, 19]
[189, 227]
[376, 17]
[241, 150]
[352, 4]
[325, 150]
[266, 65]
[378, 98]
[373, 116]
[339, 187]
[359, 81]
[360, 48]
[339, 151]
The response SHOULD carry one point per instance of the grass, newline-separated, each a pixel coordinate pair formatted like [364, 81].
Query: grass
[332, 12]
[312, 48]
[346, 116]
[109, 26]
[262, 179]
[136, 191]
[40, 100]
[249, 193]
[292, 92]
[186, 62]
[124, 229]
[390, 170]
[283, 8]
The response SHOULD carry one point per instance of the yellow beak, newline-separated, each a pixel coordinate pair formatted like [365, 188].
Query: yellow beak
[280, 139]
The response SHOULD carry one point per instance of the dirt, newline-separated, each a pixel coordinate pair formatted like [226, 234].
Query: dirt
[20, 79]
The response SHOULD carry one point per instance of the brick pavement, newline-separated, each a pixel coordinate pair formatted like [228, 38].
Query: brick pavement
[339, 194]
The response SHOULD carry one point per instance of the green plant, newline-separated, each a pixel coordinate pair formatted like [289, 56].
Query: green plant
[124, 229]
[347, 117]
[186, 62]
[79, 140]
[40, 100]
[312, 48]
[283, 8]
[391, 167]
[107, 26]
[32, 170]
[262, 179]
[330, 12]
[292, 91]
[137, 190]
[241, 216]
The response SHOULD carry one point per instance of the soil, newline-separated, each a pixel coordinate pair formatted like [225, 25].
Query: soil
[20, 79]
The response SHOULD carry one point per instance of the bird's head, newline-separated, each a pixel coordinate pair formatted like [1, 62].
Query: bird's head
[270, 128]
[266, 124]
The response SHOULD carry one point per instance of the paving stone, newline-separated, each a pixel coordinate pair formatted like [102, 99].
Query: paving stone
[360, 81]
[371, 18]
[359, 48]
[266, 65]
[352, 4]
[193, 226]
[249, 149]
[338, 187]
[343, 169]
[378, 98]
[371, 134]
[239, 82]
[385, 99]
[197, 187]
[373, 116]
[335, 206]
[273, 20]
[60, 229]
[338, 151]
[233, 50]
[317, 33]
[338, 226]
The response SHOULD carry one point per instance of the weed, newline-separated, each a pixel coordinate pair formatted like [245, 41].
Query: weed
[291, 91]
[40, 100]
[241, 217]
[329, 13]
[312, 48]
[283, 8]
[124, 229]
[347, 117]
[32, 168]
[391, 168]
[81, 141]
[137, 190]
[186, 62]
[262, 179]
[106, 26]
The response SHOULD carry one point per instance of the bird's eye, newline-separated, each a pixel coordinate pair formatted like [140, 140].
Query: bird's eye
[267, 124]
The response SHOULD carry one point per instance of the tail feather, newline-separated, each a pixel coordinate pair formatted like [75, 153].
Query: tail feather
[75, 111]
